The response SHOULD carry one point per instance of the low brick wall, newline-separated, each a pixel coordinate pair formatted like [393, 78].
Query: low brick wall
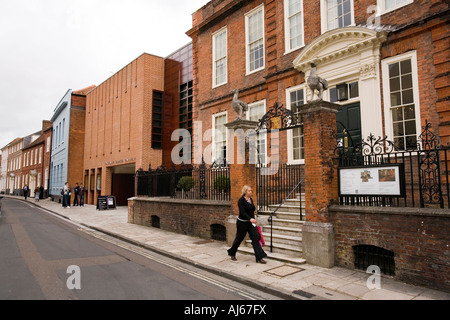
[419, 238]
[190, 217]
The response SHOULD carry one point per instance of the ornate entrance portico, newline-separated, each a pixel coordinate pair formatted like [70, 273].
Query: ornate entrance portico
[345, 55]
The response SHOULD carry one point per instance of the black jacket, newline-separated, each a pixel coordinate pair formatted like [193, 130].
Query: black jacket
[246, 210]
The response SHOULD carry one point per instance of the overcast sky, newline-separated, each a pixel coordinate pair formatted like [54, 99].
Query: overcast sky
[50, 46]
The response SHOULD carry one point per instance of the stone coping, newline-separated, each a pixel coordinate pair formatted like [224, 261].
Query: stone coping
[182, 201]
[444, 213]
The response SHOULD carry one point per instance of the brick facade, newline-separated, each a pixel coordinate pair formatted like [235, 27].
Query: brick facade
[421, 26]
[419, 239]
[118, 126]
[189, 217]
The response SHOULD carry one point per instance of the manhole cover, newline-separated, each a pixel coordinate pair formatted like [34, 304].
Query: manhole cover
[283, 271]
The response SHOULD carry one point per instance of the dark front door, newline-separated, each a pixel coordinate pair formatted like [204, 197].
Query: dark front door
[348, 121]
[122, 188]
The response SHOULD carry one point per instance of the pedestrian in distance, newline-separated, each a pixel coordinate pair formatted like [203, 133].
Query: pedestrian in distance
[41, 192]
[75, 198]
[246, 223]
[25, 191]
[66, 196]
[81, 195]
[37, 192]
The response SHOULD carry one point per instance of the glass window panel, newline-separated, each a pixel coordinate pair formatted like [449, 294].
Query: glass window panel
[333, 94]
[397, 114]
[399, 143]
[411, 142]
[394, 70]
[409, 112]
[395, 84]
[354, 90]
[407, 96]
[407, 81]
[405, 66]
[395, 99]
[410, 127]
[398, 129]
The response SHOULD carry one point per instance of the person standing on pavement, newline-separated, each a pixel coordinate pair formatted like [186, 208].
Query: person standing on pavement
[81, 196]
[25, 191]
[66, 196]
[246, 222]
[36, 194]
[75, 198]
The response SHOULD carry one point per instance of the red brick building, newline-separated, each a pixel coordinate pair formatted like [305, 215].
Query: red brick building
[36, 161]
[393, 64]
[121, 114]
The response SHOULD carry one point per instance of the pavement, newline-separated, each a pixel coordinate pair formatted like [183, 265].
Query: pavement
[286, 280]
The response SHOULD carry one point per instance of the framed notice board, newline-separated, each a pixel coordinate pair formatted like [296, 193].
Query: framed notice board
[377, 180]
[106, 202]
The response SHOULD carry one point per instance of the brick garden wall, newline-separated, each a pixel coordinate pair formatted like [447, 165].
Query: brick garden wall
[190, 217]
[419, 239]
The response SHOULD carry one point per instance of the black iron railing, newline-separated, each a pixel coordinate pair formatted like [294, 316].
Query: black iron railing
[275, 181]
[203, 182]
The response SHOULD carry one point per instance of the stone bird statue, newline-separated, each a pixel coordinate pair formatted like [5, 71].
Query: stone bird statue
[316, 83]
[239, 106]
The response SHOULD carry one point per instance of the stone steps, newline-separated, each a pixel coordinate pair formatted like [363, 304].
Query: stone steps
[286, 229]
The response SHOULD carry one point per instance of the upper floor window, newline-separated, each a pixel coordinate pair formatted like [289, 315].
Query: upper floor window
[337, 14]
[389, 5]
[220, 58]
[254, 30]
[293, 13]
[400, 83]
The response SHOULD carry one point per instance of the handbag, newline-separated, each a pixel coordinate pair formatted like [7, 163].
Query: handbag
[261, 239]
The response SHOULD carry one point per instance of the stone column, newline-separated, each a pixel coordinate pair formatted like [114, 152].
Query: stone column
[321, 188]
[242, 171]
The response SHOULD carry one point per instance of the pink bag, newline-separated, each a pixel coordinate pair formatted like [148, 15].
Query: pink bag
[261, 240]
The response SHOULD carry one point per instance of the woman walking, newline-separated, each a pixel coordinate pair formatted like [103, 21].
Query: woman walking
[246, 222]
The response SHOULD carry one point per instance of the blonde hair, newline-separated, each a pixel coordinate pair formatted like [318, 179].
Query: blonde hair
[244, 189]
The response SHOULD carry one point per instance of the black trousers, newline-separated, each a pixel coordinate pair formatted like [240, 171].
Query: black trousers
[242, 229]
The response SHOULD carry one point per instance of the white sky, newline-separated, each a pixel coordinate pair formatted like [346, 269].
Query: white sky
[50, 46]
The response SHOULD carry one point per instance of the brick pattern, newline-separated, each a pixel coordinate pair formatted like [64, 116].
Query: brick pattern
[320, 164]
[189, 217]
[418, 237]
[430, 39]
[118, 122]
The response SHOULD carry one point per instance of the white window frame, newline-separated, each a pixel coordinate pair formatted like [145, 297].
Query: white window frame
[381, 4]
[262, 135]
[247, 44]
[214, 71]
[389, 130]
[287, 29]
[324, 15]
[289, 132]
[213, 138]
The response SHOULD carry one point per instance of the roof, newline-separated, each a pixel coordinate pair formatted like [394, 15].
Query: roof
[40, 140]
[84, 91]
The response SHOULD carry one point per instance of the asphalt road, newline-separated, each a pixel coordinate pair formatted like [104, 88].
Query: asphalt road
[45, 257]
